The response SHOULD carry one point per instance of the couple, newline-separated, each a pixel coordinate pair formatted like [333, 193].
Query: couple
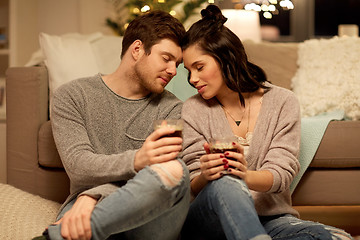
[126, 179]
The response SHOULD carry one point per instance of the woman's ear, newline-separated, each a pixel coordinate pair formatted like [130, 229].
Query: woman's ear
[137, 49]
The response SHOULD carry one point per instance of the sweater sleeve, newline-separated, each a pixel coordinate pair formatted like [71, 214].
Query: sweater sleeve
[96, 160]
[100, 192]
[193, 138]
[281, 158]
[85, 167]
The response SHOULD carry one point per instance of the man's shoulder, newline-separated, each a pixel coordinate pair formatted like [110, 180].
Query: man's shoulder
[168, 97]
[76, 84]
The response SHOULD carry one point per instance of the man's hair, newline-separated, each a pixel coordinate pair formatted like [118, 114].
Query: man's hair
[151, 28]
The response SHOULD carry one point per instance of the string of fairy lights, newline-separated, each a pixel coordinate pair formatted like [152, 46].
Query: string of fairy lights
[268, 8]
[184, 9]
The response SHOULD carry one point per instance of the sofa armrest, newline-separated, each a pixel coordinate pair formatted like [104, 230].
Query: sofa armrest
[27, 109]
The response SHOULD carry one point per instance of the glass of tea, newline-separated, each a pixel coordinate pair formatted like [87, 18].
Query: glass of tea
[176, 124]
[222, 145]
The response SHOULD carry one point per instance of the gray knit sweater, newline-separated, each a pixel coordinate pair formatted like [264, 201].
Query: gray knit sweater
[274, 147]
[98, 132]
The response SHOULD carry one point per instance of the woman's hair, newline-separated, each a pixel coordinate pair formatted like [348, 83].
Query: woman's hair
[210, 34]
[152, 27]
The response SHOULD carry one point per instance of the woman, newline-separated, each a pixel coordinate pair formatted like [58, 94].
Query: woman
[251, 201]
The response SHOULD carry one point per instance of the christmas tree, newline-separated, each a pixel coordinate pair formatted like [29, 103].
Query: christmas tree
[126, 11]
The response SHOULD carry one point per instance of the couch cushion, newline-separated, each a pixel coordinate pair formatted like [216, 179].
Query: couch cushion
[48, 154]
[328, 187]
[339, 147]
[278, 60]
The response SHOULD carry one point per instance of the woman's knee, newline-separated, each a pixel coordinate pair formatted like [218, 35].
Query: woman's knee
[228, 184]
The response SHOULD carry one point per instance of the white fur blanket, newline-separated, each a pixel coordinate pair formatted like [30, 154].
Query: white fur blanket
[328, 77]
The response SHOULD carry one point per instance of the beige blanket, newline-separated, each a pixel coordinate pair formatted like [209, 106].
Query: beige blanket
[24, 215]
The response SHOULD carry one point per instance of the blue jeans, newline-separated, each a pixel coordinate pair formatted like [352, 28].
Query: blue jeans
[224, 209]
[287, 226]
[144, 208]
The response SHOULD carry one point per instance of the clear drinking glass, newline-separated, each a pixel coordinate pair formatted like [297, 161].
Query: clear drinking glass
[222, 145]
[176, 124]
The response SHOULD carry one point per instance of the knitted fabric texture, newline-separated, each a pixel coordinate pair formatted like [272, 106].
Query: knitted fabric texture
[24, 215]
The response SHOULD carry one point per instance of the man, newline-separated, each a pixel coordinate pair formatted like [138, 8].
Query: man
[126, 181]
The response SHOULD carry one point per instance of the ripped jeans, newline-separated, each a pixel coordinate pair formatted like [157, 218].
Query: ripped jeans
[144, 208]
[224, 210]
[287, 226]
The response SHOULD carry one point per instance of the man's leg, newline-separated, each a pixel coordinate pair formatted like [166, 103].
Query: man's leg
[168, 225]
[154, 192]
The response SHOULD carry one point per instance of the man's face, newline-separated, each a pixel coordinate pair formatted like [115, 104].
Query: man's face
[154, 71]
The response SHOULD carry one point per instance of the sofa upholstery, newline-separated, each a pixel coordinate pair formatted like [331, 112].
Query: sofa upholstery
[327, 192]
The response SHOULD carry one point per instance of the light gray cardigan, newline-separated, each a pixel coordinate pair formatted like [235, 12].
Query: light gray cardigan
[274, 147]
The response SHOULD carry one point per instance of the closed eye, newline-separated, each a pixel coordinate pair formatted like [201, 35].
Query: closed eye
[166, 58]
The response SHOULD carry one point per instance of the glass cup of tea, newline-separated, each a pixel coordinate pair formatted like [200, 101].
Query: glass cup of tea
[176, 124]
[222, 145]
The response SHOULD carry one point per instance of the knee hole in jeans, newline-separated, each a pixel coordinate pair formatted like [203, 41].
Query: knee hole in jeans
[170, 172]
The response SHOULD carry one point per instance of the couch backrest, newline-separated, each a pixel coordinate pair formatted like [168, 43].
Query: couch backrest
[278, 60]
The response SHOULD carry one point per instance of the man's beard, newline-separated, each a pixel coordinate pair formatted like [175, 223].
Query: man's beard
[143, 75]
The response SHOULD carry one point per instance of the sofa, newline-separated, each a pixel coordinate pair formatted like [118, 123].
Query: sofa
[328, 192]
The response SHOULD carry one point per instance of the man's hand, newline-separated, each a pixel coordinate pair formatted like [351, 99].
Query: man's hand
[157, 148]
[76, 222]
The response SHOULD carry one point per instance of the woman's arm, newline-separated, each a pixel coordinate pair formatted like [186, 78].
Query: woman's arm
[260, 181]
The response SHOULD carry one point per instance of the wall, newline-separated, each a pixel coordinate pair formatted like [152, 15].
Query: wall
[29, 18]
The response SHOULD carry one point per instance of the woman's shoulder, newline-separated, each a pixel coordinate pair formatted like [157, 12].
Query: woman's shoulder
[281, 99]
[197, 103]
[197, 100]
[279, 93]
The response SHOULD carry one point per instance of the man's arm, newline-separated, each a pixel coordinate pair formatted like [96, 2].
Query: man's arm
[84, 165]
[76, 222]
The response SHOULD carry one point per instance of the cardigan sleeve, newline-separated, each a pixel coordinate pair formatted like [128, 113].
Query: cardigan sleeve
[193, 138]
[281, 158]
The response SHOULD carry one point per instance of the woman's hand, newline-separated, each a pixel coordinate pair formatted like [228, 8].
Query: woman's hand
[212, 165]
[260, 181]
[236, 163]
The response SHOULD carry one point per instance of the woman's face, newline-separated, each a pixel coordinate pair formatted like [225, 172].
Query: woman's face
[204, 71]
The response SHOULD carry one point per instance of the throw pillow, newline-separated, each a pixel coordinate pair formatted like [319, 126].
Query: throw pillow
[67, 59]
[328, 76]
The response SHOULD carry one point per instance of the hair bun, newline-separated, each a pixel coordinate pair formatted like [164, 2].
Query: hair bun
[212, 12]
